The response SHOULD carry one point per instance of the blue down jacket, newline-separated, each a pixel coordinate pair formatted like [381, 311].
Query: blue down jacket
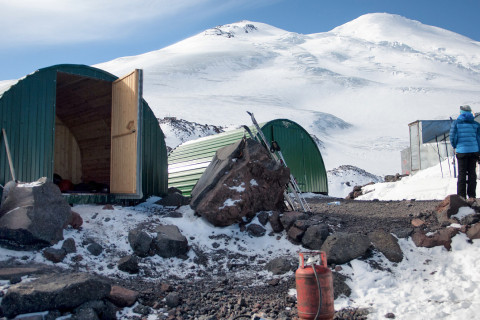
[465, 134]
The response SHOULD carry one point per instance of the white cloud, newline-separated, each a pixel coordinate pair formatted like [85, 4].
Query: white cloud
[73, 21]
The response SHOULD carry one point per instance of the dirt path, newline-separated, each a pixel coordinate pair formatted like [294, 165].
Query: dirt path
[366, 216]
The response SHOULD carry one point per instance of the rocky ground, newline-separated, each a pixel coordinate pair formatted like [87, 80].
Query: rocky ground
[225, 295]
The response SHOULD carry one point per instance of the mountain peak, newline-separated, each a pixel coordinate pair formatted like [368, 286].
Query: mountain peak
[244, 28]
[376, 27]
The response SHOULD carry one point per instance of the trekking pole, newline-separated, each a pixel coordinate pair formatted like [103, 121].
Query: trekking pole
[439, 158]
[9, 156]
[454, 155]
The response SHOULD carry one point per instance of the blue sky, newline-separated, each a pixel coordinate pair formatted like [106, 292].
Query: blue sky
[40, 33]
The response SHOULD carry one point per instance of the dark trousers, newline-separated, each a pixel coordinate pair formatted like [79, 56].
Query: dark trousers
[467, 177]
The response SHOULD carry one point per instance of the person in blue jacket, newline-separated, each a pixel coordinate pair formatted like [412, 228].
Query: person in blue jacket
[465, 138]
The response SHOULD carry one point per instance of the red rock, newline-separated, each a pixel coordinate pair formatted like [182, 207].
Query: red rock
[122, 297]
[417, 222]
[76, 220]
[442, 237]
[449, 207]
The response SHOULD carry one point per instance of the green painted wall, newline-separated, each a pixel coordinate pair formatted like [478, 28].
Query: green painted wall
[188, 161]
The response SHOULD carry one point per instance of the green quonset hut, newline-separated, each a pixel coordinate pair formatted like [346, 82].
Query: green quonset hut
[187, 162]
[86, 125]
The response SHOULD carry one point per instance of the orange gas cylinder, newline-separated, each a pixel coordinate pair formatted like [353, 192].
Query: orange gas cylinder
[314, 288]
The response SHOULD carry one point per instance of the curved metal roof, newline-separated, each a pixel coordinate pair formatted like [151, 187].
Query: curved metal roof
[188, 161]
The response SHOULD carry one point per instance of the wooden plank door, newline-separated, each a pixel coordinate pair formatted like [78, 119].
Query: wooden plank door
[125, 169]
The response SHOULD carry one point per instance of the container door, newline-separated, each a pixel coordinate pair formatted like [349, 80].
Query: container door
[125, 175]
[415, 146]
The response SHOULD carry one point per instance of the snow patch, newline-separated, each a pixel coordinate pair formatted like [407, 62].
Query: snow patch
[229, 203]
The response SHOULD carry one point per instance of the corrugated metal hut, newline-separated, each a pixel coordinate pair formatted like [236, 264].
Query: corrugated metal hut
[188, 161]
[85, 125]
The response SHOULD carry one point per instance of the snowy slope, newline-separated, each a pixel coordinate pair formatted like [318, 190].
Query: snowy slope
[377, 73]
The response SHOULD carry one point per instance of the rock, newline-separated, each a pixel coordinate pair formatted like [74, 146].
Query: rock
[343, 247]
[315, 236]
[53, 292]
[340, 285]
[108, 207]
[33, 215]
[15, 280]
[442, 237]
[165, 287]
[288, 218]
[174, 190]
[240, 181]
[6, 189]
[76, 220]
[275, 222]
[470, 219]
[54, 255]
[140, 241]
[122, 297]
[394, 178]
[402, 232]
[20, 271]
[474, 231]
[263, 217]
[129, 264]
[295, 234]
[173, 214]
[141, 309]
[449, 207]
[173, 300]
[173, 200]
[85, 313]
[104, 310]
[280, 265]
[95, 249]
[273, 282]
[69, 245]
[256, 230]
[169, 242]
[386, 244]
[417, 222]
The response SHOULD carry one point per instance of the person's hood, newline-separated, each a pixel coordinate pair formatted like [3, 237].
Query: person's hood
[466, 117]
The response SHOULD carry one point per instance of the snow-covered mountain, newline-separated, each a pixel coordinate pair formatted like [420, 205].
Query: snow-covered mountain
[356, 87]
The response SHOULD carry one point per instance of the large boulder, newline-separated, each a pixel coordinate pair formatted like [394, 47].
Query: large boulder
[342, 247]
[33, 215]
[240, 181]
[53, 292]
[315, 236]
[387, 244]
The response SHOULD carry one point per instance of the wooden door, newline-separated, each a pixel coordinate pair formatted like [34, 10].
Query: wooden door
[125, 169]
